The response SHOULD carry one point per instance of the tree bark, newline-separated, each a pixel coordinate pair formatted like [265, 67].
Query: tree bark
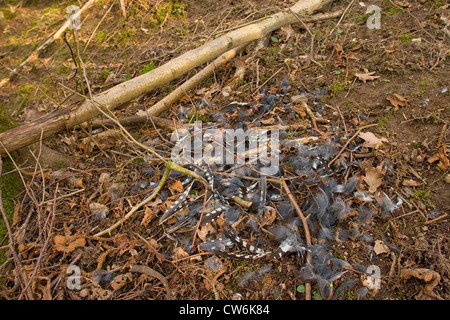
[120, 94]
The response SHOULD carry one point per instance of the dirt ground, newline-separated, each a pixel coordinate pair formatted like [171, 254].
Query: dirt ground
[391, 82]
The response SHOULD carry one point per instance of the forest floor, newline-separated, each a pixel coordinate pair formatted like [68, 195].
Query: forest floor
[391, 83]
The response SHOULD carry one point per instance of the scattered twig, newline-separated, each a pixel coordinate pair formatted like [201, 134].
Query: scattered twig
[155, 274]
[311, 48]
[305, 227]
[19, 267]
[43, 250]
[350, 140]
[445, 215]
[34, 55]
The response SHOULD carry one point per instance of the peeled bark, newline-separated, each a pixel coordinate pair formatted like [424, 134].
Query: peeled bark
[120, 94]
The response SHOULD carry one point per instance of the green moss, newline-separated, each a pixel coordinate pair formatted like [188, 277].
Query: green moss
[336, 88]
[406, 37]
[165, 10]
[422, 195]
[6, 122]
[26, 90]
[104, 74]
[11, 186]
[100, 36]
[393, 10]
[270, 56]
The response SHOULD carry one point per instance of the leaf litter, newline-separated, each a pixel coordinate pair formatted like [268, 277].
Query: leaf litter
[350, 206]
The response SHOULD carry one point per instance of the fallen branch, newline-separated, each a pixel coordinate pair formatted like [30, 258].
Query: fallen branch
[114, 97]
[179, 92]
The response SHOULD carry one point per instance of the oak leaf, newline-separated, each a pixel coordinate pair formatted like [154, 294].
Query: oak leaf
[364, 77]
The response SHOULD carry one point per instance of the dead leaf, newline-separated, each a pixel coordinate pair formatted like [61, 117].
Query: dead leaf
[180, 253]
[270, 214]
[177, 186]
[442, 157]
[149, 215]
[371, 140]
[380, 247]
[410, 183]
[205, 230]
[396, 100]
[430, 277]
[68, 244]
[121, 280]
[269, 121]
[364, 77]
[374, 177]
[288, 30]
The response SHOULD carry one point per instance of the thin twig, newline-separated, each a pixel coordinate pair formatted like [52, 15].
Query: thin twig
[348, 142]
[17, 261]
[307, 233]
[44, 248]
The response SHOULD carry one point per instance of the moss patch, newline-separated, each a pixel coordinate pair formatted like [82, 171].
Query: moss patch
[11, 186]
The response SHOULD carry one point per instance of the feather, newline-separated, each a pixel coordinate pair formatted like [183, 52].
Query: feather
[325, 234]
[172, 209]
[221, 243]
[306, 274]
[365, 215]
[344, 288]
[259, 200]
[350, 186]
[213, 215]
[367, 239]
[362, 293]
[284, 86]
[325, 287]
[339, 209]
[214, 264]
[363, 196]
[103, 277]
[232, 214]
[386, 205]
[245, 279]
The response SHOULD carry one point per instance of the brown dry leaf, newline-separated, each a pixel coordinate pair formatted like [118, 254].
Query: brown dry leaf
[410, 183]
[396, 100]
[16, 215]
[374, 177]
[177, 186]
[269, 121]
[121, 280]
[180, 253]
[442, 157]
[42, 284]
[288, 30]
[125, 244]
[67, 244]
[205, 230]
[430, 277]
[270, 214]
[149, 215]
[364, 77]
[371, 140]
[380, 247]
